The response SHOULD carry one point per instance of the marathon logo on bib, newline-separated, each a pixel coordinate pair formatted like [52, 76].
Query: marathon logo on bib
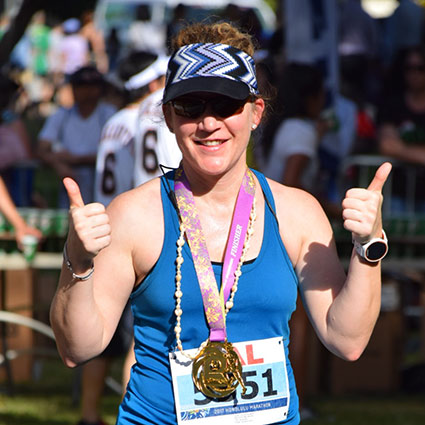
[267, 389]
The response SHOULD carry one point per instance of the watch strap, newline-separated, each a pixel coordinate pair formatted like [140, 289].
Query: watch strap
[362, 249]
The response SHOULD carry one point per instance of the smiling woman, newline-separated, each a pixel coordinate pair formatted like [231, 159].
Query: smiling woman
[214, 267]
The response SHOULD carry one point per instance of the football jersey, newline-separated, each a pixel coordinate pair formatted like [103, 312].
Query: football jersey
[154, 143]
[115, 156]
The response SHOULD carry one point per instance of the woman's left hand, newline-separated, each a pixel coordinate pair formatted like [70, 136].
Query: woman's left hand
[361, 208]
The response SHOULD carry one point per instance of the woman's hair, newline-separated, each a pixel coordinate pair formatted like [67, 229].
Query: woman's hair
[395, 79]
[218, 32]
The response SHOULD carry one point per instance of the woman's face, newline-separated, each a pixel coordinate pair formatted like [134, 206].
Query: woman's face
[414, 71]
[212, 142]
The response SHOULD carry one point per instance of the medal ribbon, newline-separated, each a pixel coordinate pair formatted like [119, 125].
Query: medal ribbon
[214, 302]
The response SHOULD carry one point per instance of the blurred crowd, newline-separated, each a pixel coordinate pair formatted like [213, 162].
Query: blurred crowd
[379, 107]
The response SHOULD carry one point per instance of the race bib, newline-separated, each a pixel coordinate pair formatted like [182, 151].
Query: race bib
[265, 401]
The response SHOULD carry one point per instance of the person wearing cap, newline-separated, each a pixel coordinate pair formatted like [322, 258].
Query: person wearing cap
[69, 139]
[136, 137]
[212, 256]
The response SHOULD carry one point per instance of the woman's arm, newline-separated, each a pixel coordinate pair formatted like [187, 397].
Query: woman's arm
[123, 247]
[85, 313]
[8, 208]
[342, 308]
[392, 145]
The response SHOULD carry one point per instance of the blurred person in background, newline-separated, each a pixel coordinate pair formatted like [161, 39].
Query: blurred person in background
[145, 34]
[177, 22]
[358, 40]
[296, 130]
[54, 54]
[113, 49]
[336, 145]
[403, 29]
[96, 41]
[69, 139]
[74, 48]
[401, 121]
[15, 142]
[8, 209]
[39, 34]
[155, 145]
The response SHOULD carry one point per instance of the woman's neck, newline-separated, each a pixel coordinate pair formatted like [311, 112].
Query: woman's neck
[216, 188]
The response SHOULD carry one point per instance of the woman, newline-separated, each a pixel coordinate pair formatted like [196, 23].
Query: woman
[211, 104]
[401, 125]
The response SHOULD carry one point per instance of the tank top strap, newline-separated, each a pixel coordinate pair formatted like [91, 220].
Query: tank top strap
[169, 204]
[268, 195]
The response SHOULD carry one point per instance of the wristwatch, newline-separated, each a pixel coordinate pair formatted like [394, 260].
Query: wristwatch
[374, 250]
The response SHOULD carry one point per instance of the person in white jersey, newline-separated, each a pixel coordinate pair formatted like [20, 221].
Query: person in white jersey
[142, 73]
[155, 145]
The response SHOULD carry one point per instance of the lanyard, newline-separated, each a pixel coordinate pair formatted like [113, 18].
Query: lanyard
[214, 301]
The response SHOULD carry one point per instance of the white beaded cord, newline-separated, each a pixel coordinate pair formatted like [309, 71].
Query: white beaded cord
[179, 294]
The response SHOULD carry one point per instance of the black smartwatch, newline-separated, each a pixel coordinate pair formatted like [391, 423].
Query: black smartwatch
[374, 250]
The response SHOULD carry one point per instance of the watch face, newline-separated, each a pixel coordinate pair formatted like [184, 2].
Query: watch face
[376, 251]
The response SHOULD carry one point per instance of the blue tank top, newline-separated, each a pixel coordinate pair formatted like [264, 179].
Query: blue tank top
[265, 300]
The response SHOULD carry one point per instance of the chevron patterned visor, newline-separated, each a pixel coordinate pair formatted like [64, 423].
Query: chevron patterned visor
[213, 68]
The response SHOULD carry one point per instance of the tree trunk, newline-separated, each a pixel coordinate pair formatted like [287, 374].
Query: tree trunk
[17, 27]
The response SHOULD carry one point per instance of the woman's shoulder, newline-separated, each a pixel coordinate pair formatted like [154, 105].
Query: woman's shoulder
[137, 222]
[301, 219]
[294, 204]
[291, 194]
[140, 200]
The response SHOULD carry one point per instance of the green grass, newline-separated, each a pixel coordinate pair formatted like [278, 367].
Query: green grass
[369, 410]
[48, 401]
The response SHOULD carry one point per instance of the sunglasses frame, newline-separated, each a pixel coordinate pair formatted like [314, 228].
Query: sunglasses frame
[217, 105]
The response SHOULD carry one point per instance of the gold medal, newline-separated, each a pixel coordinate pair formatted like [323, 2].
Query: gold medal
[217, 370]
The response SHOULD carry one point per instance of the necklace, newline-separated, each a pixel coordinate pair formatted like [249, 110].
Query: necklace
[179, 294]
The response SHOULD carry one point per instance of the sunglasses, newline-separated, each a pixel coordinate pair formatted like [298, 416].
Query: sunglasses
[221, 106]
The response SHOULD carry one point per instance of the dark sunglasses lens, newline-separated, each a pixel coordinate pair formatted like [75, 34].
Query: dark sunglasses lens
[189, 108]
[221, 106]
[225, 107]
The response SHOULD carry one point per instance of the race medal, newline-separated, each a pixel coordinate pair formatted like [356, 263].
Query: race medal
[217, 370]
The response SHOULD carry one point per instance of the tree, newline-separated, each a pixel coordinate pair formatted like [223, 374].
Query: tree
[59, 10]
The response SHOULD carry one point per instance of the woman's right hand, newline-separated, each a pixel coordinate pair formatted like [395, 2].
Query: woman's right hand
[89, 228]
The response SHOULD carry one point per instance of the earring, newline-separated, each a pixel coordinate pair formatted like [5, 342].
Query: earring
[253, 126]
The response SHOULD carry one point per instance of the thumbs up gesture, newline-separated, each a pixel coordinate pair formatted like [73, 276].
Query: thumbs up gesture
[89, 229]
[361, 208]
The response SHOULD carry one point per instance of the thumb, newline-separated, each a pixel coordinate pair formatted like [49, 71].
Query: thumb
[74, 194]
[381, 176]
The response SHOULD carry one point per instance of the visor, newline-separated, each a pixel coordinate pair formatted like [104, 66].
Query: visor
[212, 68]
